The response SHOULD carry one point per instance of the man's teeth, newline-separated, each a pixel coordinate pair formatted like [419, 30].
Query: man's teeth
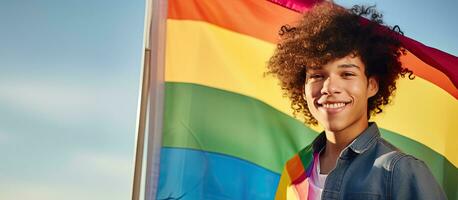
[333, 105]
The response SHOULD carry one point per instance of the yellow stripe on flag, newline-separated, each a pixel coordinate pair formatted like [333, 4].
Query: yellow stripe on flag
[202, 53]
[285, 191]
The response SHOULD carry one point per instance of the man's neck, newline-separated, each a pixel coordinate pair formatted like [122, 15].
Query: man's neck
[336, 142]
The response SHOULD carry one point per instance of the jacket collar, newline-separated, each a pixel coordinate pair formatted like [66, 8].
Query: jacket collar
[361, 144]
[366, 139]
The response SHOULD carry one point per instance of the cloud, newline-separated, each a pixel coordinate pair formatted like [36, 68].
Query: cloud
[57, 101]
[55, 191]
[86, 175]
[112, 167]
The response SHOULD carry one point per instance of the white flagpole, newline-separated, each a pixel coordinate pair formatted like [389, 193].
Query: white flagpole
[151, 102]
[156, 108]
[142, 106]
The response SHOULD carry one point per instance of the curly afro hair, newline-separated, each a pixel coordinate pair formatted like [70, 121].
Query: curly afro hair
[328, 32]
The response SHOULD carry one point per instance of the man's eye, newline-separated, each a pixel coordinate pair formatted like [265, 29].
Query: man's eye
[348, 74]
[316, 76]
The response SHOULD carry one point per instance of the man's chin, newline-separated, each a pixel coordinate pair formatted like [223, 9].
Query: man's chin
[333, 126]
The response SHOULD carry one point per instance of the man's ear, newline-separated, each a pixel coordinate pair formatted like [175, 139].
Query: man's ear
[372, 86]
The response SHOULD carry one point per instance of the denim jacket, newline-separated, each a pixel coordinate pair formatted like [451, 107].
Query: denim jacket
[369, 168]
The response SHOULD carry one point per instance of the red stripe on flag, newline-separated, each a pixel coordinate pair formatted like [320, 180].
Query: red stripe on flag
[297, 5]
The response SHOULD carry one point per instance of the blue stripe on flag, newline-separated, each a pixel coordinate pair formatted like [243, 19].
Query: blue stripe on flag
[196, 174]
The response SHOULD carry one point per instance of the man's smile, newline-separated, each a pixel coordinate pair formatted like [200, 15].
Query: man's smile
[332, 107]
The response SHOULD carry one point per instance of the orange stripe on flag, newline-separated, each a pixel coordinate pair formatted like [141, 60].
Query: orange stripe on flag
[429, 73]
[295, 169]
[260, 19]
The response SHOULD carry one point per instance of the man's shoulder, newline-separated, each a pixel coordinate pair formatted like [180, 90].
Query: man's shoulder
[408, 177]
[393, 157]
[412, 179]
[383, 145]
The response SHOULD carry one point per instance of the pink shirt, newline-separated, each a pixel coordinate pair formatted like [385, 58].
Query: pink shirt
[316, 180]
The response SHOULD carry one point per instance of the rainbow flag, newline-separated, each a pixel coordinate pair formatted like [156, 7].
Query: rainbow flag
[228, 131]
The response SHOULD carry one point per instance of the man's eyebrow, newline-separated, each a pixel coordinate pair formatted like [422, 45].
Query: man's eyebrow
[349, 65]
[314, 68]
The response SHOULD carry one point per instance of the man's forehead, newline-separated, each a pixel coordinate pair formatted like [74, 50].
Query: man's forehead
[314, 68]
[343, 65]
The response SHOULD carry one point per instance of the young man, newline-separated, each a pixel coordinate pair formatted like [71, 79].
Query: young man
[338, 70]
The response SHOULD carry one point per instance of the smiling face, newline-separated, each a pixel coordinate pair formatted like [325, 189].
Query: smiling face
[337, 94]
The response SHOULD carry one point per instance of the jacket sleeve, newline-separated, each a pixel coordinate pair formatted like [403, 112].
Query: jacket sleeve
[411, 179]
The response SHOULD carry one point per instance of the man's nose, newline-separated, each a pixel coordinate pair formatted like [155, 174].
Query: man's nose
[330, 86]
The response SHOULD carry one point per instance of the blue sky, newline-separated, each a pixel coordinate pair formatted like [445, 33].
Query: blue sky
[68, 97]
[69, 77]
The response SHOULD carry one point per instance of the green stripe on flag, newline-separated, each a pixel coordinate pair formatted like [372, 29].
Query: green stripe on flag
[218, 121]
